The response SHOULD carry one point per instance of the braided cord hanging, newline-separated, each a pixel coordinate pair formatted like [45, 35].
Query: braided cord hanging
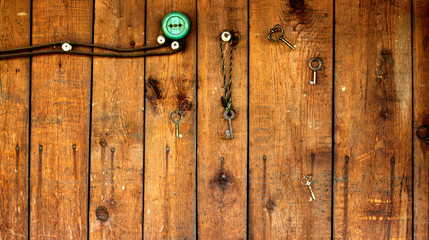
[226, 38]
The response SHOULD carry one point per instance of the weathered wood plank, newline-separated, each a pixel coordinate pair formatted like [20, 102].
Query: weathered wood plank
[222, 185]
[60, 123]
[116, 201]
[373, 186]
[14, 107]
[421, 118]
[169, 197]
[290, 121]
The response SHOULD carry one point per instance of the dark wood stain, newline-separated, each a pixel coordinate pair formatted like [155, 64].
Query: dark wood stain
[112, 171]
[74, 161]
[17, 176]
[166, 218]
[422, 133]
[270, 206]
[346, 192]
[264, 178]
[222, 180]
[426, 40]
[313, 160]
[297, 5]
[235, 35]
[39, 185]
[103, 166]
[391, 194]
[298, 13]
[385, 65]
[385, 93]
[155, 86]
[153, 92]
[184, 103]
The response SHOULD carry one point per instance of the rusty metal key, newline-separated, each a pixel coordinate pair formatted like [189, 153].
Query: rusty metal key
[229, 116]
[278, 31]
[315, 69]
[307, 180]
[178, 135]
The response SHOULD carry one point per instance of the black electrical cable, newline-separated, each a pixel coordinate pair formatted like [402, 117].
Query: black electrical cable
[17, 52]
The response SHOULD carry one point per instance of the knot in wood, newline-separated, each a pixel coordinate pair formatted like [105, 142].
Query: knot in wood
[423, 134]
[103, 143]
[102, 213]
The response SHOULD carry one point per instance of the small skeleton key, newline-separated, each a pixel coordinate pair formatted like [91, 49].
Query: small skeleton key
[177, 121]
[279, 29]
[307, 180]
[229, 117]
[314, 69]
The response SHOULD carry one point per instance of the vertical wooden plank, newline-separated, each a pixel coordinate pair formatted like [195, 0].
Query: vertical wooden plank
[14, 87]
[421, 118]
[222, 185]
[169, 198]
[373, 187]
[60, 123]
[116, 202]
[290, 120]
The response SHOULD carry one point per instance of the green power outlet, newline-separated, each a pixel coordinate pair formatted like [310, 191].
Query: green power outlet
[175, 25]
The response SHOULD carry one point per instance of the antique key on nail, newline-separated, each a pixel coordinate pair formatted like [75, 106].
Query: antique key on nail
[310, 64]
[279, 29]
[177, 121]
[307, 180]
[229, 117]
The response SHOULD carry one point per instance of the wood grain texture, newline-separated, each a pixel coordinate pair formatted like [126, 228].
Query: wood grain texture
[169, 197]
[14, 121]
[143, 181]
[421, 118]
[60, 123]
[290, 121]
[222, 185]
[373, 113]
[116, 201]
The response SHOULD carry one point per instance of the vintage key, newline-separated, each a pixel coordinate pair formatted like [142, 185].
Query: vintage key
[310, 64]
[229, 134]
[279, 29]
[177, 121]
[307, 180]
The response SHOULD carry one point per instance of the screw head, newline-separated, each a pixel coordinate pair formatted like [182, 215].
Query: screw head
[226, 36]
[66, 47]
[160, 39]
[175, 45]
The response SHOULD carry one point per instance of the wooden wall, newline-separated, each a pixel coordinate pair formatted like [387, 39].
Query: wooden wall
[87, 147]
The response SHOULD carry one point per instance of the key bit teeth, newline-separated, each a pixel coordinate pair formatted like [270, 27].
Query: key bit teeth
[228, 134]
